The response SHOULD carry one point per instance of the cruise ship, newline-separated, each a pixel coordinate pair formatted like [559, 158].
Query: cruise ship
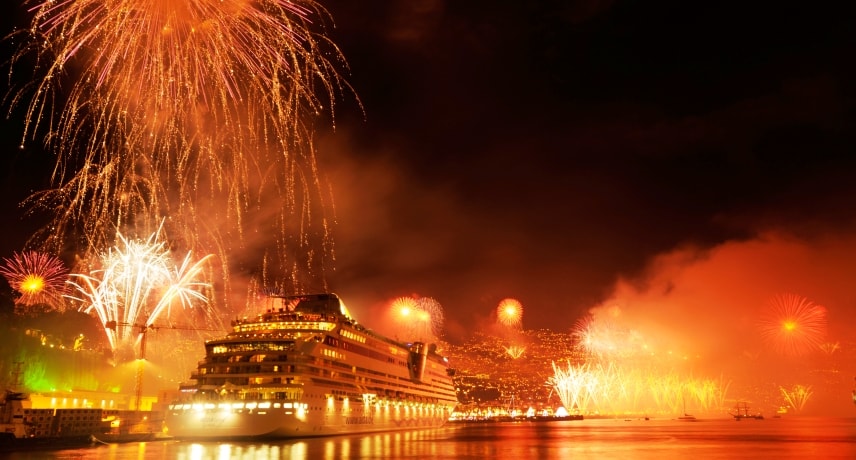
[304, 368]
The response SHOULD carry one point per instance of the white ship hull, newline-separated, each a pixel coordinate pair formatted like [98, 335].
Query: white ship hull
[222, 423]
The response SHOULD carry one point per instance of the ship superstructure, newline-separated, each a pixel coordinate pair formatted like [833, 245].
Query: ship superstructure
[305, 367]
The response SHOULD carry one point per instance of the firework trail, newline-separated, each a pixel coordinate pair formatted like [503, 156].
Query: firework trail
[137, 284]
[515, 351]
[611, 388]
[797, 397]
[39, 278]
[201, 110]
[509, 312]
[793, 325]
[830, 347]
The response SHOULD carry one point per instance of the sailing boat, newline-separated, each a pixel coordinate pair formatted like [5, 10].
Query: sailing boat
[854, 393]
[686, 417]
[741, 412]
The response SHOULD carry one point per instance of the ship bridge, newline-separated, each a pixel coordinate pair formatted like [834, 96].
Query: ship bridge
[319, 304]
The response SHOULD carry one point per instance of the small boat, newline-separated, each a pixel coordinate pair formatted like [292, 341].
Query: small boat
[686, 417]
[118, 438]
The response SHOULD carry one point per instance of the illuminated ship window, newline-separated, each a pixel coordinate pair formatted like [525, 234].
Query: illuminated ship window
[352, 336]
[333, 354]
[286, 325]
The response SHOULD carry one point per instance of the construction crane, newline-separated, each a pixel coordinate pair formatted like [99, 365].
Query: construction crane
[144, 332]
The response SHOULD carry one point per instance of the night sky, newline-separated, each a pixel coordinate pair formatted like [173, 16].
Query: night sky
[683, 161]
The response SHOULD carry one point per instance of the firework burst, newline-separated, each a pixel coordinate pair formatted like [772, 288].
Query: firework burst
[421, 317]
[199, 110]
[39, 278]
[509, 313]
[435, 314]
[137, 284]
[515, 351]
[793, 325]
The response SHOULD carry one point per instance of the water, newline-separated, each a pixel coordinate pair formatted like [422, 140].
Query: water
[785, 438]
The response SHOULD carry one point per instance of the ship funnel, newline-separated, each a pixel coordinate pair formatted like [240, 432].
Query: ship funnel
[417, 361]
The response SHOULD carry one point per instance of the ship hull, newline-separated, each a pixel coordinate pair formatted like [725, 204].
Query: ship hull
[9, 443]
[190, 424]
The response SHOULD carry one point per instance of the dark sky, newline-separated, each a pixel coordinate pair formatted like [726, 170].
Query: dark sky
[546, 150]
[667, 156]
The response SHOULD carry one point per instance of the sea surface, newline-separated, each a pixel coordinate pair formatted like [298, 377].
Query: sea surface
[638, 439]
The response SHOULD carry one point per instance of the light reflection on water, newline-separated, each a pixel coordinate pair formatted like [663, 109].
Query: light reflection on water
[803, 438]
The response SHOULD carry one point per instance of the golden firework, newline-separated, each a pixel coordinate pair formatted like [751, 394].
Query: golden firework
[201, 111]
[509, 312]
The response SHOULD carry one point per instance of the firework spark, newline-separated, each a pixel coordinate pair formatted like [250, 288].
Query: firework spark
[793, 325]
[509, 312]
[202, 111]
[39, 278]
[137, 284]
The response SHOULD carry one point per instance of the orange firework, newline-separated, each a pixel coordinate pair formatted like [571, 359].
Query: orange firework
[793, 325]
[39, 278]
[434, 312]
[405, 308]
[421, 317]
[510, 312]
[199, 110]
[515, 351]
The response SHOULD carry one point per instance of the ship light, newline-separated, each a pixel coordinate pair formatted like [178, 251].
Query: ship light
[264, 405]
[238, 405]
[251, 405]
[301, 413]
[286, 405]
